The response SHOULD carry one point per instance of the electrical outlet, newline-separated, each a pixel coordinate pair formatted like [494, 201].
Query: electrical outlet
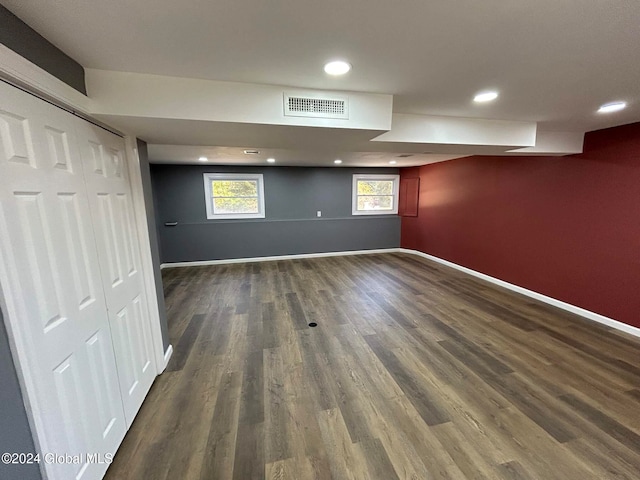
[319, 213]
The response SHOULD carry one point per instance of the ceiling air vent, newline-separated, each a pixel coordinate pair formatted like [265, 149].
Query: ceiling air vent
[405, 155]
[316, 105]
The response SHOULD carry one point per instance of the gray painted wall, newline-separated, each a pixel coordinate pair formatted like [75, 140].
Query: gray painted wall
[145, 173]
[292, 197]
[24, 40]
[15, 434]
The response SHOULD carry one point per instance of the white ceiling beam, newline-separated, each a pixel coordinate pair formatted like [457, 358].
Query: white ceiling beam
[157, 96]
[553, 143]
[187, 111]
[432, 129]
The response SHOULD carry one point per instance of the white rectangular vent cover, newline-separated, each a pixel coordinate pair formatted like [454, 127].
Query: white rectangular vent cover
[316, 105]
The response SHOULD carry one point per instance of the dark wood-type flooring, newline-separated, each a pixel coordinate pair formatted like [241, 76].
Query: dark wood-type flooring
[414, 371]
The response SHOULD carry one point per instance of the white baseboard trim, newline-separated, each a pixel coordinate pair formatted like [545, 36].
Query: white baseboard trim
[596, 317]
[167, 357]
[278, 257]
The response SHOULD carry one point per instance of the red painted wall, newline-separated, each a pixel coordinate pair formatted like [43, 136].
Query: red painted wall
[567, 227]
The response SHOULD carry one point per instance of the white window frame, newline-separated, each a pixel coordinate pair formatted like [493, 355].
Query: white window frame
[208, 194]
[377, 177]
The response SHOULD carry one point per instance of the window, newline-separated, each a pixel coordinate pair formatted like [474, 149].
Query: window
[232, 195]
[375, 194]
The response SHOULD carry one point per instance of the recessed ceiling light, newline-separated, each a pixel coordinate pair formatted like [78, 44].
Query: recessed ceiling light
[483, 97]
[337, 162]
[203, 159]
[612, 107]
[271, 160]
[392, 162]
[337, 67]
[251, 152]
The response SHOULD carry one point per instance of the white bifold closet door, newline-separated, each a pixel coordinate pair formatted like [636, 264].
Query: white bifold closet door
[106, 174]
[71, 282]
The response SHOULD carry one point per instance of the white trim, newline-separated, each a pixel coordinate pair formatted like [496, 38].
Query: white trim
[596, 317]
[167, 357]
[210, 177]
[144, 244]
[377, 177]
[278, 257]
[20, 71]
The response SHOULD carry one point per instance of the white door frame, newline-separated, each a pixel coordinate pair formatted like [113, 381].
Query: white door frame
[137, 193]
[18, 70]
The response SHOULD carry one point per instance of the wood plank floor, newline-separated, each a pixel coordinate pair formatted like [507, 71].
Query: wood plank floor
[414, 371]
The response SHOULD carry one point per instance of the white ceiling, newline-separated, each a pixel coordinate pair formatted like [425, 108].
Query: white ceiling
[184, 141]
[553, 61]
[289, 157]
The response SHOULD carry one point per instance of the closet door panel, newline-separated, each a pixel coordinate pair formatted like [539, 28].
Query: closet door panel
[113, 221]
[51, 281]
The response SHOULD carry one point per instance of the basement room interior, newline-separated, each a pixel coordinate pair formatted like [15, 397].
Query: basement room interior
[306, 240]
